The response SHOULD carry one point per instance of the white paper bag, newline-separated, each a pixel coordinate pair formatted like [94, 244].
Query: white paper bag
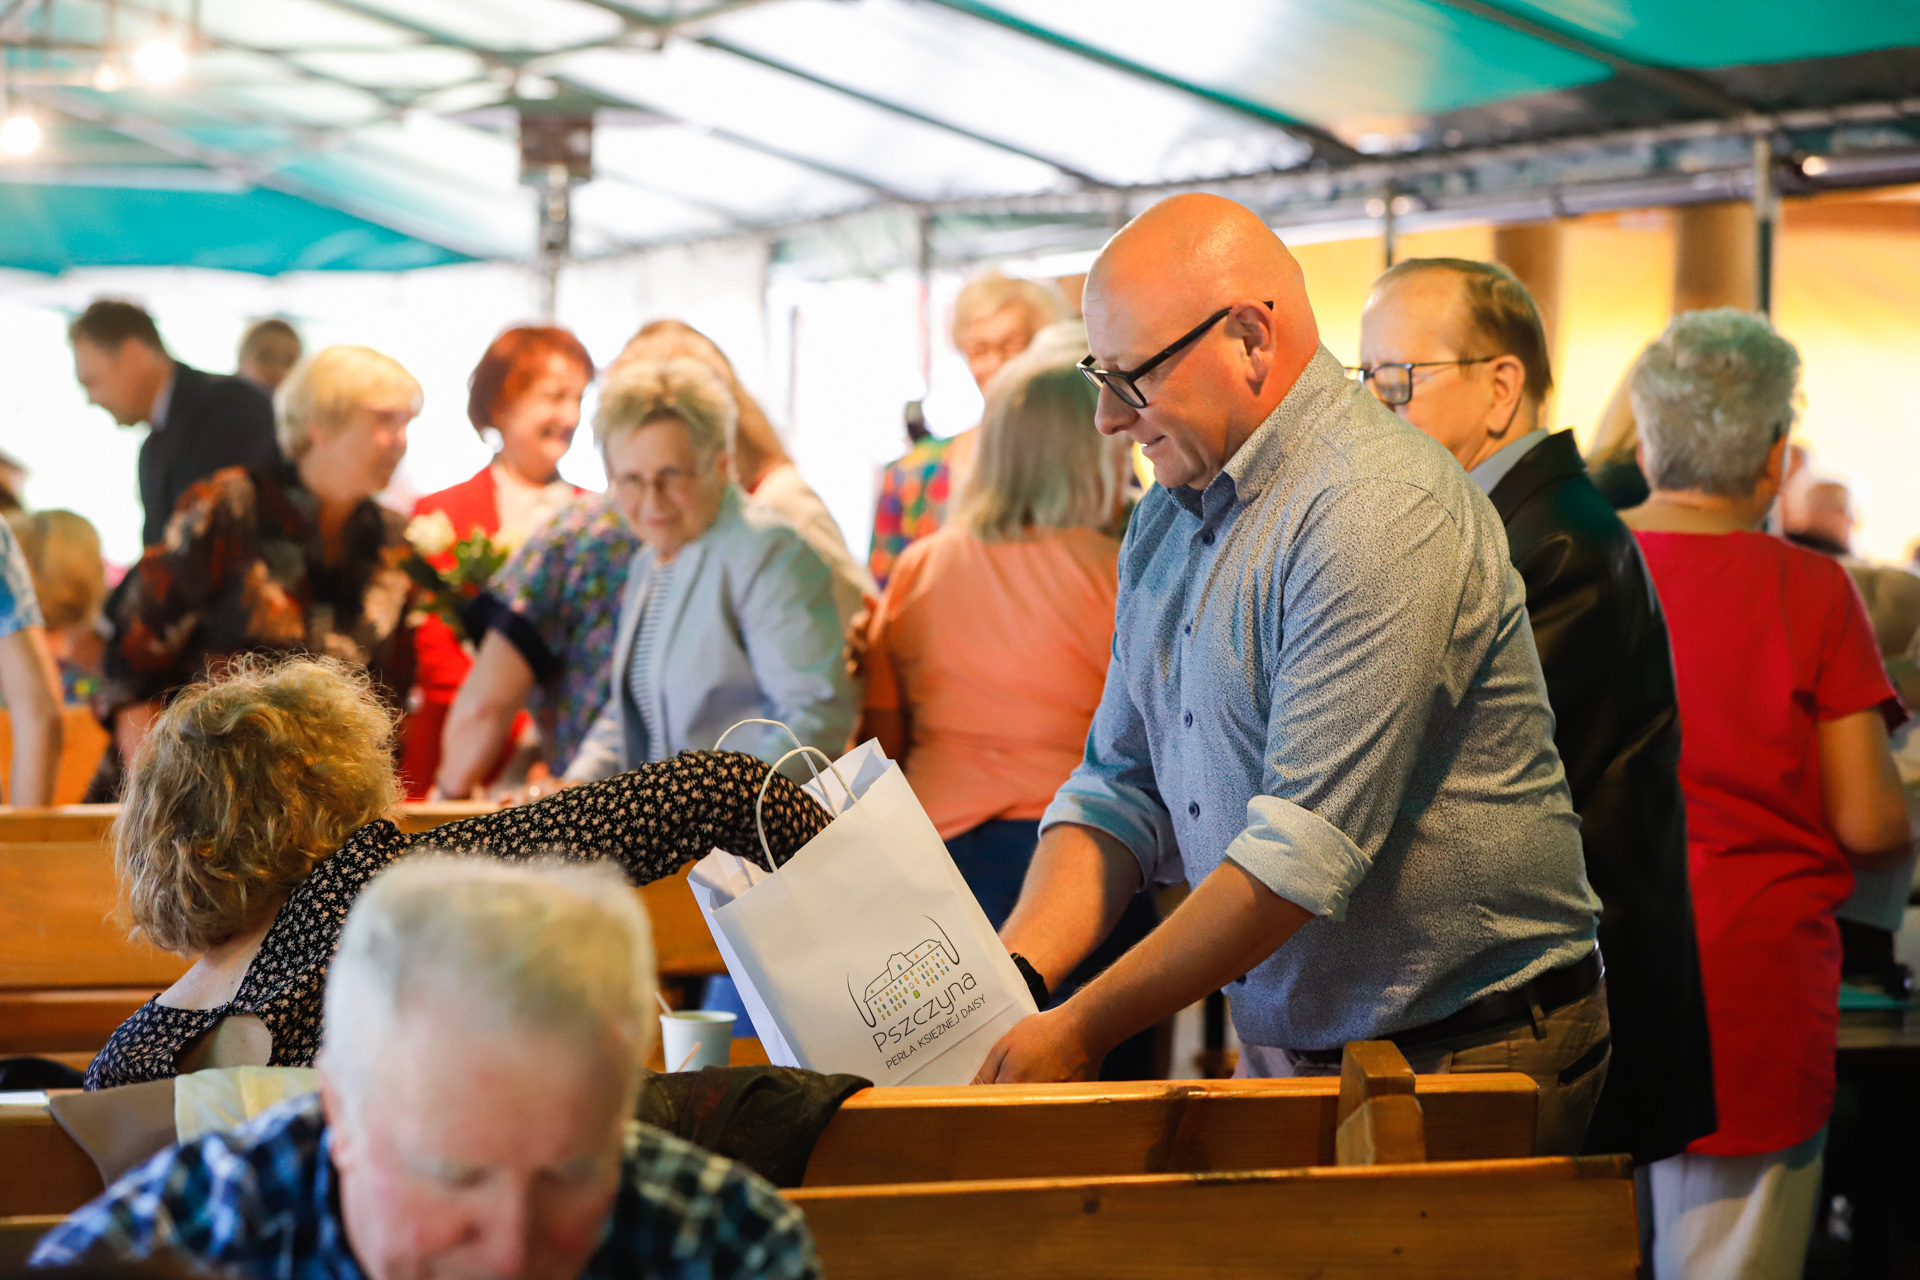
[866, 952]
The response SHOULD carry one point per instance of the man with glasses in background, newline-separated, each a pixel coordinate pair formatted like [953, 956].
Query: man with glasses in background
[1323, 711]
[1457, 349]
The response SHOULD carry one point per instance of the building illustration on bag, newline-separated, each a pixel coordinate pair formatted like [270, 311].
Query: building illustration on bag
[908, 977]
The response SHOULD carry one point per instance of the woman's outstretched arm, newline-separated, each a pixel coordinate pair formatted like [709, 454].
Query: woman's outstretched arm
[652, 820]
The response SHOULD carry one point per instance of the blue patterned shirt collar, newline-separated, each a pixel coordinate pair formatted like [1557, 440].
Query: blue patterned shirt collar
[1255, 463]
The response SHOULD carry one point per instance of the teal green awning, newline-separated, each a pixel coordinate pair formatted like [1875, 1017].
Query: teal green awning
[51, 228]
[357, 133]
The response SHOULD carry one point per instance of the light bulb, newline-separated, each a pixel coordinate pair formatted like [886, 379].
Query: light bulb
[160, 60]
[19, 135]
[106, 77]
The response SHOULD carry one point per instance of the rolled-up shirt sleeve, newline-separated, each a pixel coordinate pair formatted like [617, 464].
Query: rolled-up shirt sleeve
[1372, 598]
[1113, 787]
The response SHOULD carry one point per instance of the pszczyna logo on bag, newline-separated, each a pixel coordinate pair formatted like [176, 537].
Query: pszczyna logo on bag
[919, 997]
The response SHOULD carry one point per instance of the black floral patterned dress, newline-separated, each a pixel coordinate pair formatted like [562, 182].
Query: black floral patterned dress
[651, 821]
[243, 569]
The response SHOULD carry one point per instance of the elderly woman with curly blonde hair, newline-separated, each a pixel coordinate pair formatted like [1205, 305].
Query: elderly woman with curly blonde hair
[729, 613]
[255, 817]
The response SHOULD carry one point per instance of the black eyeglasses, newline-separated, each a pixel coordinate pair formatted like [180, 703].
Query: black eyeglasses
[1125, 384]
[1393, 383]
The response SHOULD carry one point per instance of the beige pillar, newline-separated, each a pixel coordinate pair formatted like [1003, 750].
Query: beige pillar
[1714, 257]
[1531, 250]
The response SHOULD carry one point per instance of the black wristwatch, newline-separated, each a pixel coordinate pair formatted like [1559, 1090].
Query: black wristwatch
[1035, 983]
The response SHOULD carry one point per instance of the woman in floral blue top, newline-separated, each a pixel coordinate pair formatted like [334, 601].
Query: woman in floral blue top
[550, 641]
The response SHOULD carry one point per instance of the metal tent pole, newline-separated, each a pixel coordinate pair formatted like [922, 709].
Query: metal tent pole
[1766, 209]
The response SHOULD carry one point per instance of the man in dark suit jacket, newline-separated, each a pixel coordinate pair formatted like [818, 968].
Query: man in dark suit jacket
[1457, 349]
[200, 422]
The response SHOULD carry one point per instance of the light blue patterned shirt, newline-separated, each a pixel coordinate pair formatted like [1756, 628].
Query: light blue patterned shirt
[19, 607]
[1322, 669]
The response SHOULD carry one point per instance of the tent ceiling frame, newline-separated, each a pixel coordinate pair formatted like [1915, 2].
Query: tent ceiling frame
[1326, 146]
[900, 109]
[862, 181]
[16, 11]
[1706, 160]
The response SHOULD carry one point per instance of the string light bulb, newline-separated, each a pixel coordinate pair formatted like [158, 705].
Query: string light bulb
[106, 77]
[160, 61]
[19, 135]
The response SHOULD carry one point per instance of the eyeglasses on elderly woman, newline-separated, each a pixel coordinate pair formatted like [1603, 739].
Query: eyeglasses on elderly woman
[1126, 383]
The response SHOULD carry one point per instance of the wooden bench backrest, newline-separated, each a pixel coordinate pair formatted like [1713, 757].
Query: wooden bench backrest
[42, 1169]
[1006, 1131]
[1030, 1131]
[69, 974]
[19, 1235]
[1553, 1217]
[89, 822]
[55, 900]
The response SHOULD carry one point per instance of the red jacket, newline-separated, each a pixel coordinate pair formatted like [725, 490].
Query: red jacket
[441, 661]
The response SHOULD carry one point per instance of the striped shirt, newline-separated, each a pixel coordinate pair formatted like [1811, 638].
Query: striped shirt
[646, 643]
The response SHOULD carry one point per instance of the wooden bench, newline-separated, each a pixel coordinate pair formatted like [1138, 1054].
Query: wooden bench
[69, 975]
[1549, 1217]
[963, 1133]
[1222, 1178]
[1396, 1201]
[1552, 1218]
[1145, 1127]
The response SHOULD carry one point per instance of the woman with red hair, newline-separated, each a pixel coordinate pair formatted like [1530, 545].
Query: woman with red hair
[526, 391]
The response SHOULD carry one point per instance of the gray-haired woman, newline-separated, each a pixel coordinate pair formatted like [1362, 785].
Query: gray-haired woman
[1789, 784]
[729, 613]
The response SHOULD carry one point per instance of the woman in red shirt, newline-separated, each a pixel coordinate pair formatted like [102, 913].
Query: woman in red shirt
[526, 390]
[1790, 787]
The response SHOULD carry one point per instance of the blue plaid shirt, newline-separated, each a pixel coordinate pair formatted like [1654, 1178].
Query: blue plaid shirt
[260, 1202]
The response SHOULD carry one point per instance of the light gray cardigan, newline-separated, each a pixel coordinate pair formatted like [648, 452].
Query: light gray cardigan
[749, 630]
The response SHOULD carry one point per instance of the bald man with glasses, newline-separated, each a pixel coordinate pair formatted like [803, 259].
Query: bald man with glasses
[1323, 711]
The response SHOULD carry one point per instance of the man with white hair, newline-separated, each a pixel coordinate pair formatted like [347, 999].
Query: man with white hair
[486, 1026]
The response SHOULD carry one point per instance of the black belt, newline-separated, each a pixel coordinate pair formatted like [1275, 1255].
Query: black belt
[1502, 1011]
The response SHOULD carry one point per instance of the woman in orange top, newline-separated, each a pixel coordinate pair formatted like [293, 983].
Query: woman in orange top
[989, 650]
[526, 390]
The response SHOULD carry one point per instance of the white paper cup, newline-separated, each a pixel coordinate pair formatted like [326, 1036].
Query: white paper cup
[695, 1038]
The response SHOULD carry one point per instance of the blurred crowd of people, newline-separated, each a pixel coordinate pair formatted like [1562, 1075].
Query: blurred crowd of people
[1727, 681]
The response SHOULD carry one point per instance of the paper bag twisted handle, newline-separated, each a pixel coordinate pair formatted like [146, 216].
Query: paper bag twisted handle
[782, 728]
[759, 819]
